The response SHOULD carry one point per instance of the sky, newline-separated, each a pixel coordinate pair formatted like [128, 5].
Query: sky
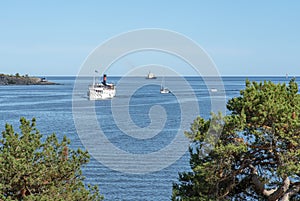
[241, 37]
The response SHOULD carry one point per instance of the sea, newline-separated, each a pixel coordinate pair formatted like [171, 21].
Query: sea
[142, 146]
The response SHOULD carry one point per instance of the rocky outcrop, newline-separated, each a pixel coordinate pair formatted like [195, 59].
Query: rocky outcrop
[23, 80]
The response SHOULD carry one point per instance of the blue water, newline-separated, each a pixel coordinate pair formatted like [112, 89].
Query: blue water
[52, 107]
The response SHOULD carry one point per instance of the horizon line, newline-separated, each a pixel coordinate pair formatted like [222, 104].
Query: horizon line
[289, 76]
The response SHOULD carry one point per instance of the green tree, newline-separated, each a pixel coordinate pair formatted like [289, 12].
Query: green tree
[256, 156]
[35, 169]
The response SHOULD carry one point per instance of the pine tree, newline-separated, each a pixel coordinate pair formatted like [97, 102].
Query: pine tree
[257, 155]
[35, 169]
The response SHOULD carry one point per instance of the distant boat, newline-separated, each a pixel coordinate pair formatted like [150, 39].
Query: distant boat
[213, 90]
[150, 76]
[101, 91]
[163, 90]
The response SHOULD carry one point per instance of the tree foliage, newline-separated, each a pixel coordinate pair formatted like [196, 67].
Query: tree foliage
[257, 155]
[35, 169]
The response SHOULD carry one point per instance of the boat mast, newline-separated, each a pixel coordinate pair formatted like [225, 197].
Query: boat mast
[162, 85]
[94, 80]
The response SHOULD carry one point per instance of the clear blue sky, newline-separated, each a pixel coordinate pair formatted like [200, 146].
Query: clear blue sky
[242, 37]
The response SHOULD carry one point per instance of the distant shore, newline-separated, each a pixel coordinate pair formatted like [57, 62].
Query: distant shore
[23, 80]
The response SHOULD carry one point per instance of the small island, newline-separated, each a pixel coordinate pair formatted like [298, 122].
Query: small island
[18, 79]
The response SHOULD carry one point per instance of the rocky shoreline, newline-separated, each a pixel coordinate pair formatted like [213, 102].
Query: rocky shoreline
[23, 80]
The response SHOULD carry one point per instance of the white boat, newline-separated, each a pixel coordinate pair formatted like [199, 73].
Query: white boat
[101, 91]
[163, 90]
[214, 90]
[150, 76]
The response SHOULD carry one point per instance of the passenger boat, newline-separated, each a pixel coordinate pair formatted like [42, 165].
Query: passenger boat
[101, 91]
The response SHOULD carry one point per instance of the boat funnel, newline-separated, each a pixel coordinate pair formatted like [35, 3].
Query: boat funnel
[104, 79]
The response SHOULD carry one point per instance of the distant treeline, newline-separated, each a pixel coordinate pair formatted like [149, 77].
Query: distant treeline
[18, 79]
